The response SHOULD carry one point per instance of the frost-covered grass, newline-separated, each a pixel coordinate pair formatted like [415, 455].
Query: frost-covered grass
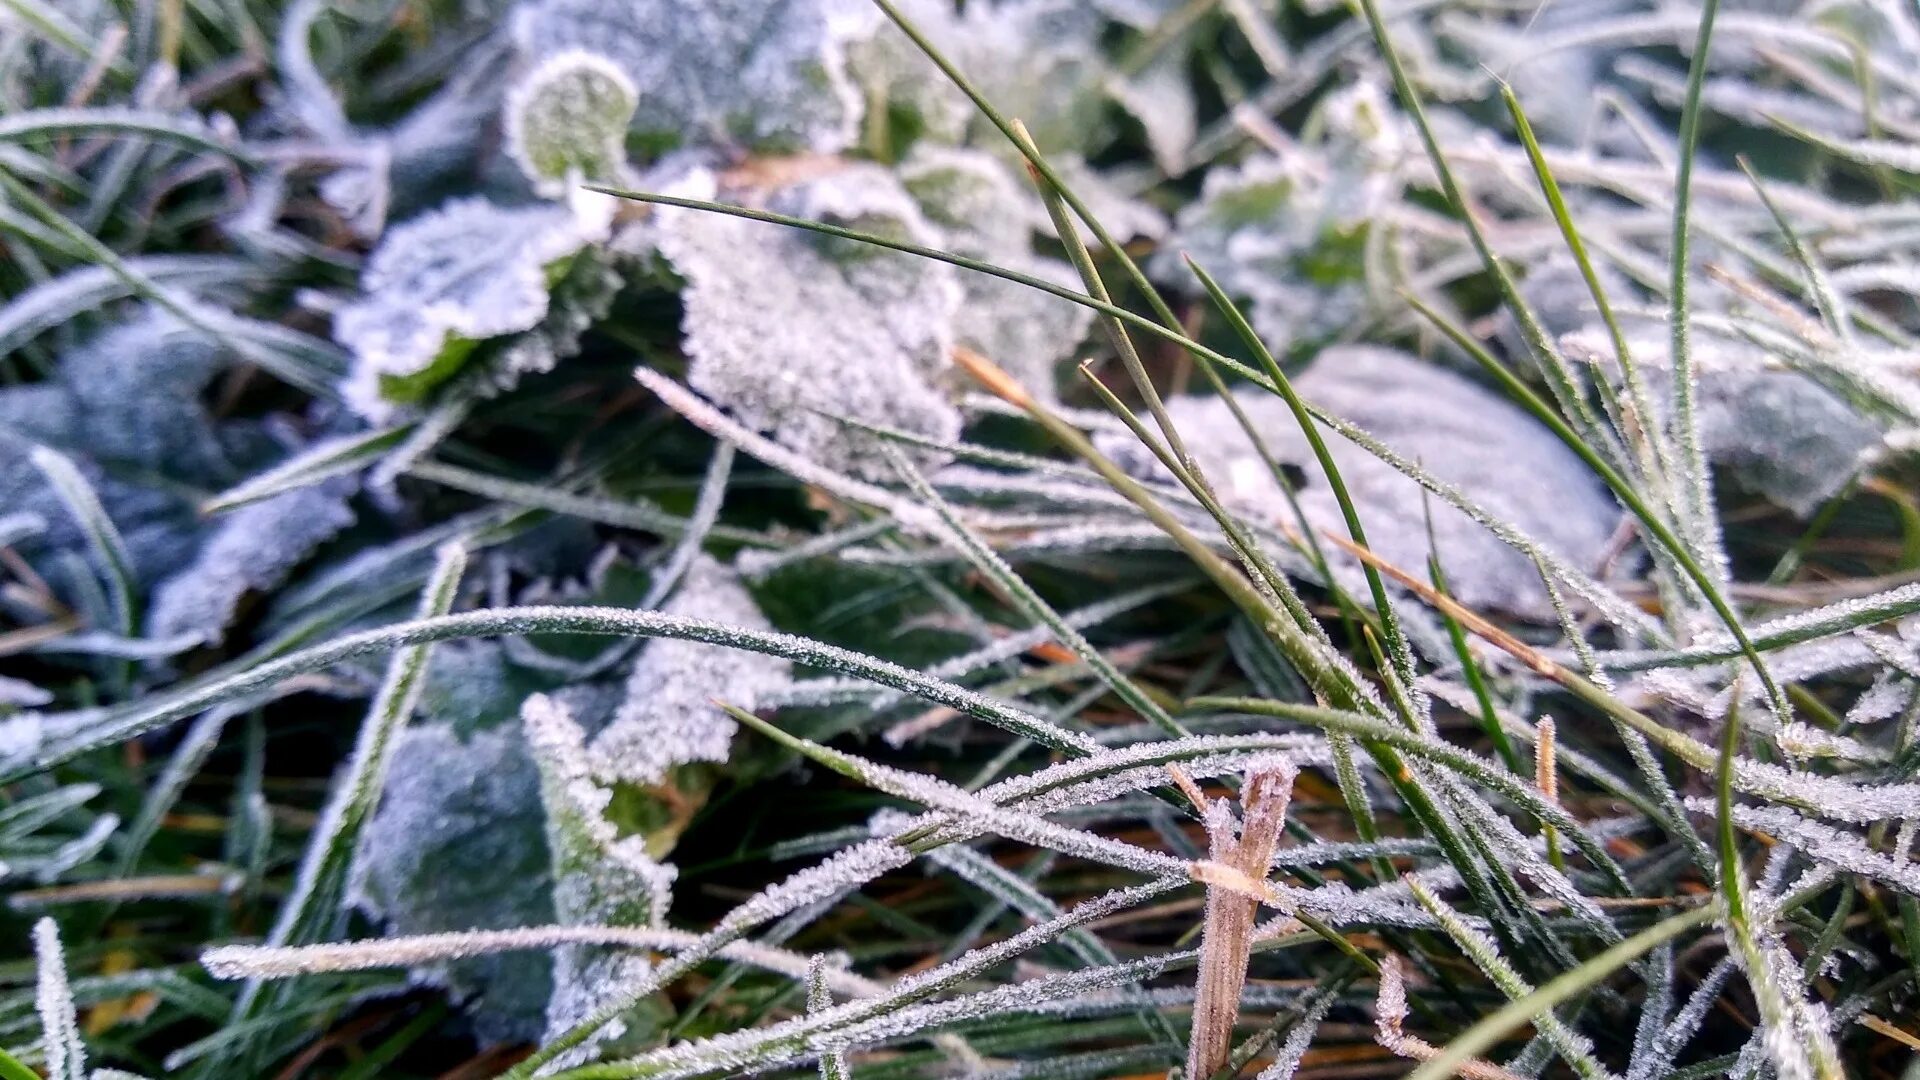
[892, 539]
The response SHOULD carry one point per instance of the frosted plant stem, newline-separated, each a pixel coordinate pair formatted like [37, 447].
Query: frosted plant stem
[520, 621]
[706, 511]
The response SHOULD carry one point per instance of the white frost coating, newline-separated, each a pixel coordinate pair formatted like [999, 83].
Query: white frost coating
[1825, 843]
[468, 271]
[566, 121]
[1281, 239]
[788, 328]
[252, 549]
[846, 869]
[986, 213]
[1461, 433]
[766, 75]
[874, 1017]
[261, 962]
[53, 1000]
[1776, 430]
[1286, 1060]
[1039, 60]
[598, 877]
[668, 717]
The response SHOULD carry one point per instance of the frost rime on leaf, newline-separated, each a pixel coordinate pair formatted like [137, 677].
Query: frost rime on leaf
[252, 549]
[567, 121]
[766, 75]
[783, 326]
[1461, 433]
[599, 877]
[446, 280]
[458, 844]
[986, 213]
[1039, 60]
[668, 717]
[1283, 237]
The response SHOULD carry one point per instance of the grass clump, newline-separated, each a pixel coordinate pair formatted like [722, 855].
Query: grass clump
[563, 540]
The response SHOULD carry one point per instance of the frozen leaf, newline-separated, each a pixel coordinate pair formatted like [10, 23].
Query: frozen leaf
[984, 212]
[252, 549]
[446, 281]
[1460, 432]
[457, 844]
[1285, 238]
[1777, 431]
[566, 121]
[766, 75]
[599, 878]
[1039, 60]
[668, 717]
[784, 327]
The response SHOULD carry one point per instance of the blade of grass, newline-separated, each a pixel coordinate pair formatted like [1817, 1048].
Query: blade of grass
[1656, 458]
[1485, 1034]
[1686, 423]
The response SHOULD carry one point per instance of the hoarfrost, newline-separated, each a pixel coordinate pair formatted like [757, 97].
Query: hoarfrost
[458, 844]
[1277, 234]
[566, 121]
[1462, 434]
[252, 549]
[667, 717]
[1038, 60]
[53, 1000]
[599, 878]
[788, 328]
[987, 214]
[1776, 430]
[446, 280]
[765, 75]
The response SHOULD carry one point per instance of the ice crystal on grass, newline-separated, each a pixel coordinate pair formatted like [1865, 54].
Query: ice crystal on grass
[445, 281]
[250, 550]
[566, 121]
[1461, 433]
[668, 717]
[788, 328]
[60, 1028]
[766, 75]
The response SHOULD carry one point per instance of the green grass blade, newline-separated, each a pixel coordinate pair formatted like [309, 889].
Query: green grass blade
[1485, 1034]
[1644, 423]
[1686, 423]
[1390, 625]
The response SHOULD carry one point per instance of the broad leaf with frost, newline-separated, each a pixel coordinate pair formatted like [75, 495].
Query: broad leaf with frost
[600, 878]
[446, 281]
[1776, 430]
[766, 75]
[250, 550]
[985, 212]
[788, 329]
[566, 121]
[459, 844]
[668, 717]
[1462, 433]
[1039, 60]
[1285, 236]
